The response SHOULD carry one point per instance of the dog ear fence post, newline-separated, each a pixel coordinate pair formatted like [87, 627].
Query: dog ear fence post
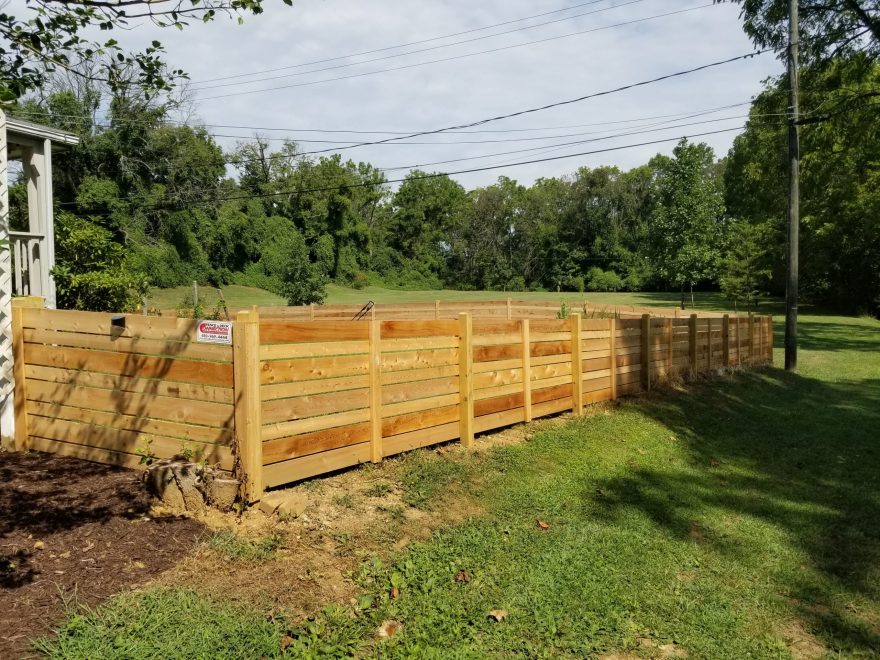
[466, 379]
[248, 422]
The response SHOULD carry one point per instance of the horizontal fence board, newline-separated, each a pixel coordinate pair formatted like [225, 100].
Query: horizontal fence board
[282, 332]
[125, 364]
[286, 448]
[497, 378]
[205, 413]
[100, 323]
[286, 390]
[121, 440]
[145, 425]
[416, 405]
[498, 390]
[418, 420]
[125, 384]
[551, 393]
[419, 359]
[417, 343]
[551, 407]
[415, 375]
[312, 349]
[280, 410]
[295, 427]
[421, 438]
[419, 390]
[315, 464]
[406, 329]
[280, 371]
[123, 344]
[498, 403]
[86, 453]
[497, 420]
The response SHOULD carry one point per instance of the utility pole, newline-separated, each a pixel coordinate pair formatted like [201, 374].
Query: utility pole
[791, 288]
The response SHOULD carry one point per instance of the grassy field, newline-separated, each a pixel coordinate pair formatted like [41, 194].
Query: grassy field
[736, 519]
[242, 296]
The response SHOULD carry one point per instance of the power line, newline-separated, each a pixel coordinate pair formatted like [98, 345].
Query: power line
[520, 113]
[201, 86]
[411, 43]
[454, 57]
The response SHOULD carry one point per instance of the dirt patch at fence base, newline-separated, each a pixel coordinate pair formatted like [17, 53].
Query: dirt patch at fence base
[74, 533]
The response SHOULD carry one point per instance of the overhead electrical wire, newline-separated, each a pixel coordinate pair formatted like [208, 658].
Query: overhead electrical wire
[406, 45]
[202, 86]
[452, 58]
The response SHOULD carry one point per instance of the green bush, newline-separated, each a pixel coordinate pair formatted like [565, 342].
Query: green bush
[604, 280]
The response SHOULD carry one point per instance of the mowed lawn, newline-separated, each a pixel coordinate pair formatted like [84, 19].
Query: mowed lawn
[735, 519]
[243, 296]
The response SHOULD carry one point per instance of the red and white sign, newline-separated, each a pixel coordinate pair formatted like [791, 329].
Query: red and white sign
[214, 332]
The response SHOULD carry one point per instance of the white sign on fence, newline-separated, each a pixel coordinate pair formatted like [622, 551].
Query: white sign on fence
[214, 332]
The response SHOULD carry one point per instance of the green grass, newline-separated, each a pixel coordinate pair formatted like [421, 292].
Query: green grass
[719, 520]
[232, 546]
[242, 296]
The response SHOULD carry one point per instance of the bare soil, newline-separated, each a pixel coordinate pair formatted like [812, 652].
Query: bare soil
[75, 533]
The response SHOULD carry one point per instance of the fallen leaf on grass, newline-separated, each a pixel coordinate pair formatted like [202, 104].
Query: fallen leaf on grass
[39, 545]
[600, 492]
[390, 628]
[498, 615]
[543, 525]
[286, 641]
[395, 592]
[462, 576]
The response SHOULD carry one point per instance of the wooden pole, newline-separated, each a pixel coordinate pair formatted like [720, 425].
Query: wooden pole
[375, 339]
[725, 340]
[466, 379]
[794, 156]
[527, 369]
[248, 408]
[692, 343]
[646, 351]
[577, 365]
[612, 350]
[670, 334]
[509, 310]
[738, 341]
[311, 311]
[436, 310]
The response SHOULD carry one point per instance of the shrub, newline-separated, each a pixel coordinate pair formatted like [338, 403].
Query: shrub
[602, 280]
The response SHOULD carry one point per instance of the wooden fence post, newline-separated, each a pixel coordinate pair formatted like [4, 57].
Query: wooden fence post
[465, 379]
[527, 369]
[769, 339]
[509, 310]
[670, 333]
[692, 343]
[248, 420]
[646, 351]
[725, 340]
[21, 437]
[739, 358]
[751, 338]
[436, 310]
[612, 350]
[709, 344]
[311, 311]
[577, 376]
[375, 342]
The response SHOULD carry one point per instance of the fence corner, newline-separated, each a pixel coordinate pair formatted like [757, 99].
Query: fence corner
[248, 423]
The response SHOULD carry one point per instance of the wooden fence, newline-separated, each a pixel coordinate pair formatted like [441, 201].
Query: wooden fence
[291, 399]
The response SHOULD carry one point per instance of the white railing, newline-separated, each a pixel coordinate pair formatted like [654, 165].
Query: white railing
[30, 276]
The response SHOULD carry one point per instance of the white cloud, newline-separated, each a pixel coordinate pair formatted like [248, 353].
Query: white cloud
[470, 89]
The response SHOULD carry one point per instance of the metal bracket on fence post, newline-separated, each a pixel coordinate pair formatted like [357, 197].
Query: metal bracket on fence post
[465, 379]
[248, 413]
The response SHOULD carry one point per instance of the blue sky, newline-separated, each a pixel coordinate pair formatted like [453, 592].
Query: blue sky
[473, 87]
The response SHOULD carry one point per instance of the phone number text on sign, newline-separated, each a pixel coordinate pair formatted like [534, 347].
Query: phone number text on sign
[214, 332]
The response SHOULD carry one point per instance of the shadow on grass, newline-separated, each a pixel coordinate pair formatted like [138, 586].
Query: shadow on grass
[833, 337]
[799, 454]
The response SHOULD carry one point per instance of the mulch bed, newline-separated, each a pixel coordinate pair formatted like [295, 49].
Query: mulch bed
[74, 533]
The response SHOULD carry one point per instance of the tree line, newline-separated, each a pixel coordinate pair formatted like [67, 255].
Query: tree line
[143, 202]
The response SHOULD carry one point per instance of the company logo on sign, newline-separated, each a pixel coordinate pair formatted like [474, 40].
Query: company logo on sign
[214, 332]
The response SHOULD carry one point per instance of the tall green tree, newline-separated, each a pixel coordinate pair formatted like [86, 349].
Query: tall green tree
[686, 228]
[744, 270]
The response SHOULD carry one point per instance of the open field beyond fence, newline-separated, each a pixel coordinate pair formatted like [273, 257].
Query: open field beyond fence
[295, 397]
